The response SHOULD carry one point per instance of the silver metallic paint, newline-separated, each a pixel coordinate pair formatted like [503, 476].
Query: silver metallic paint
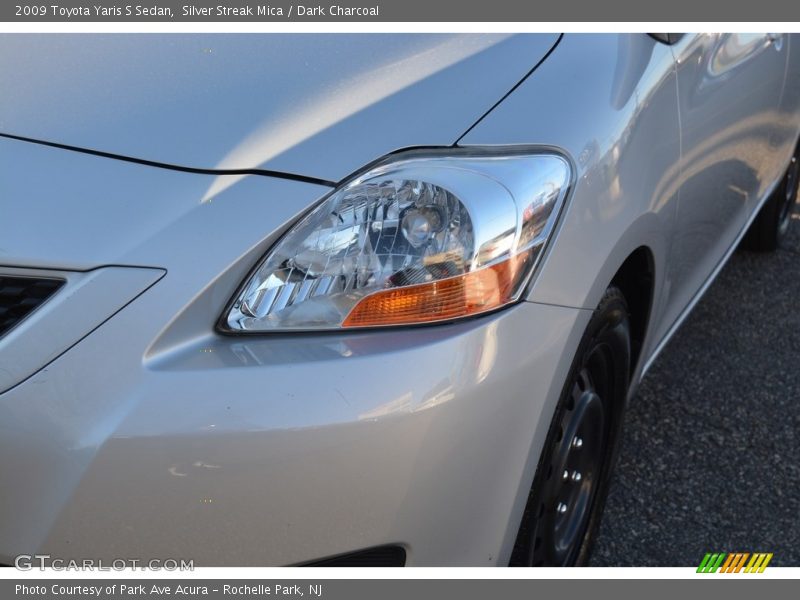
[86, 300]
[317, 104]
[154, 436]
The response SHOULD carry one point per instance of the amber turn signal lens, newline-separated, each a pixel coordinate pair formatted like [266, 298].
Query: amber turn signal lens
[474, 293]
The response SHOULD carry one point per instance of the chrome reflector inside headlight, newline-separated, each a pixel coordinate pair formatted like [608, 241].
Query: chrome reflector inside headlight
[420, 239]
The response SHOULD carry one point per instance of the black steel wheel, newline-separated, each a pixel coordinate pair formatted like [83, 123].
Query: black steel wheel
[772, 221]
[568, 492]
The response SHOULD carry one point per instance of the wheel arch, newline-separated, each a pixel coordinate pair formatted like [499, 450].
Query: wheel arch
[634, 260]
[636, 280]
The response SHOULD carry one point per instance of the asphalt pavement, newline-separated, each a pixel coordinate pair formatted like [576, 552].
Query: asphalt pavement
[710, 457]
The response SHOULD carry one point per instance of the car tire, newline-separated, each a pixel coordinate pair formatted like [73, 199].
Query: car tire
[563, 510]
[772, 222]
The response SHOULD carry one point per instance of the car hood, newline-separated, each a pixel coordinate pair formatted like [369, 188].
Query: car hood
[316, 105]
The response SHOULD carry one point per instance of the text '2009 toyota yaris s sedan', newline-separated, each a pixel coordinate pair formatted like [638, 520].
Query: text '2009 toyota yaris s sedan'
[373, 299]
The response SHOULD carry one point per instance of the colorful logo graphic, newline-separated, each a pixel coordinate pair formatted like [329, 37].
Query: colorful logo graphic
[734, 562]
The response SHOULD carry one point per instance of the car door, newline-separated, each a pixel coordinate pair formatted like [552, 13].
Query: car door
[729, 88]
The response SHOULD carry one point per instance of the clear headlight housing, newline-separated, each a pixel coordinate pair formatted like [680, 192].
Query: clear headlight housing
[423, 238]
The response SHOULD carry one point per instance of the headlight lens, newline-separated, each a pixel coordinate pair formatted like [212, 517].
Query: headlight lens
[420, 239]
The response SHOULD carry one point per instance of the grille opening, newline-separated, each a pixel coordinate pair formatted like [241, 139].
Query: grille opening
[382, 556]
[20, 296]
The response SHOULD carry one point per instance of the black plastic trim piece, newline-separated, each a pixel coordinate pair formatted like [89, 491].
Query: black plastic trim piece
[666, 38]
[30, 294]
[380, 556]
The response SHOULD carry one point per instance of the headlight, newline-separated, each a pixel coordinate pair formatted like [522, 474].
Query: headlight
[419, 239]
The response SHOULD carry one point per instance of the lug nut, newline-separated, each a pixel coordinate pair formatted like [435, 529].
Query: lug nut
[565, 476]
[576, 476]
[577, 442]
[561, 508]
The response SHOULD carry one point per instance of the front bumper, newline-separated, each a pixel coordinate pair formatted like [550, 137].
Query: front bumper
[150, 436]
[279, 450]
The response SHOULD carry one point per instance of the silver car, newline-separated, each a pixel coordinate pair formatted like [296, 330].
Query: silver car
[357, 299]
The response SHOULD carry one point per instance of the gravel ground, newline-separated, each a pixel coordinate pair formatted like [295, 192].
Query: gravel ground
[710, 458]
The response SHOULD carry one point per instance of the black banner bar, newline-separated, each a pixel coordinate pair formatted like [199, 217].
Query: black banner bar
[198, 11]
[393, 589]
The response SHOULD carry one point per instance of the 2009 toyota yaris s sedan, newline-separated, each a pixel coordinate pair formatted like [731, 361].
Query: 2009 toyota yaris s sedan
[372, 299]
